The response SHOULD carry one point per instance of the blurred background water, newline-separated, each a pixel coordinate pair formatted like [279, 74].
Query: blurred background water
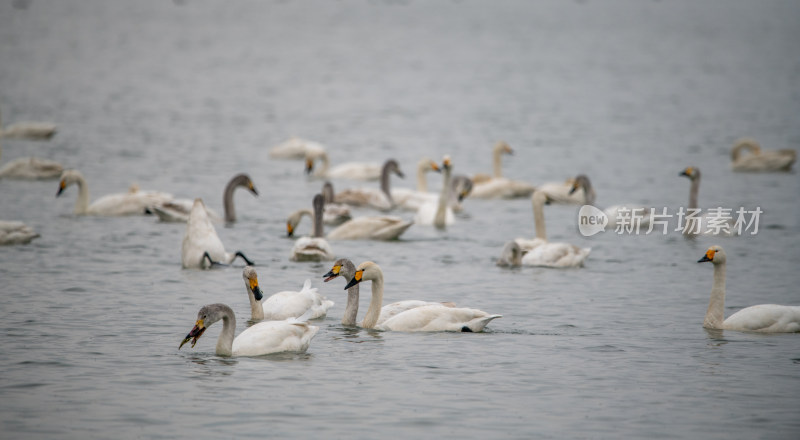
[180, 96]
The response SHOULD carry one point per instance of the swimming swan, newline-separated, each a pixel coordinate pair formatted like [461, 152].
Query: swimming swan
[293, 335]
[30, 168]
[758, 160]
[565, 192]
[177, 210]
[429, 318]
[438, 213]
[380, 199]
[314, 248]
[306, 303]
[617, 214]
[349, 170]
[761, 318]
[295, 148]
[701, 224]
[359, 228]
[497, 186]
[347, 270]
[12, 232]
[511, 255]
[201, 247]
[540, 252]
[27, 130]
[335, 213]
[134, 202]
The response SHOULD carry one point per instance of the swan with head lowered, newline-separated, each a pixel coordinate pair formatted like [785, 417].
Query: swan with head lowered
[703, 224]
[427, 318]
[511, 255]
[760, 160]
[295, 148]
[335, 213]
[28, 130]
[346, 269]
[497, 186]
[266, 337]
[30, 168]
[383, 227]
[315, 247]
[375, 198]
[201, 247]
[349, 170]
[540, 252]
[12, 232]
[623, 215]
[134, 202]
[286, 304]
[438, 212]
[177, 210]
[767, 318]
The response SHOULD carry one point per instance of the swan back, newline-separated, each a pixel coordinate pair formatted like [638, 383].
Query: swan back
[201, 237]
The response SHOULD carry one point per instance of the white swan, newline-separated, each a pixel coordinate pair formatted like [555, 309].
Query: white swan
[306, 303]
[349, 170]
[761, 318]
[27, 130]
[314, 248]
[429, 318]
[12, 232]
[347, 270]
[30, 168]
[293, 335]
[359, 228]
[758, 160]
[133, 202]
[295, 148]
[700, 225]
[497, 186]
[380, 199]
[511, 255]
[540, 252]
[615, 213]
[438, 213]
[565, 192]
[335, 213]
[201, 247]
[177, 210]
[412, 199]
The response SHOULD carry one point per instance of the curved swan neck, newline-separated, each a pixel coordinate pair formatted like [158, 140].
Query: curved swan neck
[225, 340]
[444, 196]
[319, 207]
[745, 144]
[82, 202]
[695, 188]
[715, 315]
[374, 310]
[323, 169]
[538, 214]
[498, 160]
[227, 196]
[385, 185]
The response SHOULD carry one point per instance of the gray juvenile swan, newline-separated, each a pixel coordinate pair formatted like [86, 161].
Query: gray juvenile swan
[700, 225]
[383, 227]
[765, 318]
[177, 210]
[760, 160]
[380, 199]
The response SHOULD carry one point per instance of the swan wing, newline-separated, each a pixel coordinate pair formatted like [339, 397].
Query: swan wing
[372, 228]
[556, 255]
[355, 171]
[390, 310]
[295, 148]
[201, 237]
[364, 197]
[770, 160]
[293, 304]
[437, 318]
[412, 200]
[268, 337]
[501, 188]
[765, 318]
[12, 232]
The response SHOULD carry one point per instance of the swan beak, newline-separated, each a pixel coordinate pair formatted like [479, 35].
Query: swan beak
[256, 290]
[462, 195]
[309, 166]
[399, 173]
[687, 172]
[574, 188]
[252, 188]
[61, 187]
[709, 256]
[435, 167]
[333, 273]
[195, 334]
[289, 230]
[356, 279]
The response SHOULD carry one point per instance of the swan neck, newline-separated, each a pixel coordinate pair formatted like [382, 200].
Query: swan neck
[695, 188]
[498, 163]
[351, 309]
[385, 185]
[588, 193]
[374, 310]
[227, 200]
[444, 196]
[82, 202]
[256, 309]
[422, 182]
[538, 218]
[318, 229]
[323, 169]
[225, 340]
[715, 315]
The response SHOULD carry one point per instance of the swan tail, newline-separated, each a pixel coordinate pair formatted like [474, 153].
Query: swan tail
[479, 324]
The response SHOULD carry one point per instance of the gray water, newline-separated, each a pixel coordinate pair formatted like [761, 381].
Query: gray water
[181, 96]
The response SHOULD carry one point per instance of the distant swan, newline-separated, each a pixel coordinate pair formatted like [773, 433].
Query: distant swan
[134, 202]
[266, 337]
[349, 170]
[758, 160]
[429, 318]
[347, 270]
[177, 210]
[540, 252]
[314, 248]
[30, 168]
[201, 247]
[565, 192]
[437, 212]
[380, 199]
[306, 303]
[761, 318]
[295, 148]
[615, 213]
[497, 186]
[28, 130]
[335, 213]
[12, 232]
[701, 225]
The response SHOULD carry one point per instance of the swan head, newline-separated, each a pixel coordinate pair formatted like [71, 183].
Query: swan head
[245, 181]
[503, 148]
[393, 166]
[251, 282]
[714, 254]
[580, 181]
[309, 165]
[365, 271]
[343, 267]
[426, 164]
[691, 172]
[462, 186]
[207, 315]
[447, 163]
[68, 177]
